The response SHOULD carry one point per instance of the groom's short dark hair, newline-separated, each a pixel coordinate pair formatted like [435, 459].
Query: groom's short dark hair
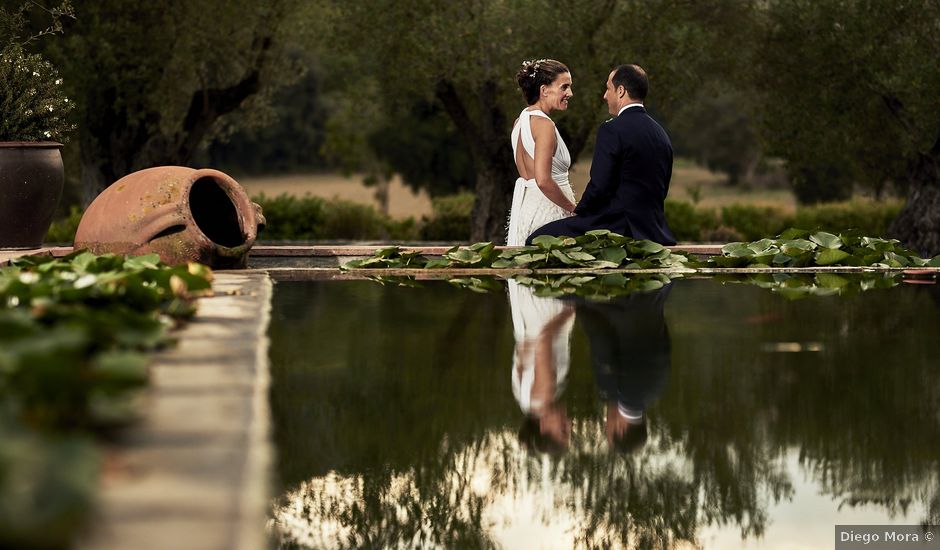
[633, 79]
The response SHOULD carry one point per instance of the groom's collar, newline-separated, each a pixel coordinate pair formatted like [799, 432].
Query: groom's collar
[631, 105]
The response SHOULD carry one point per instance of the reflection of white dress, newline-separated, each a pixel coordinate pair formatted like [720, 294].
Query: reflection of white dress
[530, 208]
[530, 315]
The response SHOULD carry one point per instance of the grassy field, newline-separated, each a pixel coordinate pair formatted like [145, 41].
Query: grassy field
[688, 181]
[402, 202]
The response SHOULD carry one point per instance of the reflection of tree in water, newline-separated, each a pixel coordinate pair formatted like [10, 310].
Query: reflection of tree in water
[471, 495]
[450, 472]
[861, 413]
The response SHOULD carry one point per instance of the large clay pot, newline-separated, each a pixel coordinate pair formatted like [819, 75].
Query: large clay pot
[31, 180]
[180, 213]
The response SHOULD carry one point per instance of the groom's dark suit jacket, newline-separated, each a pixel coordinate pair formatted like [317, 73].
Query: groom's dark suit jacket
[629, 181]
[630, 346]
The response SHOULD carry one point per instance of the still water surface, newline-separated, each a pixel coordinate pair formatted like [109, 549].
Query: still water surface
[701, 414]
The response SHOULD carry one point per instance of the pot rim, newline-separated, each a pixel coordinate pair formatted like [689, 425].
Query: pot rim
[31, 144]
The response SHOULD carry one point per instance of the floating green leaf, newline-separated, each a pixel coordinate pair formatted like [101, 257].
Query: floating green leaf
[830, 256]
[826, 240]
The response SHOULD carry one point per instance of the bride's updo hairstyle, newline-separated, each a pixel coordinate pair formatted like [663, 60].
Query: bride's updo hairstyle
[536, 73]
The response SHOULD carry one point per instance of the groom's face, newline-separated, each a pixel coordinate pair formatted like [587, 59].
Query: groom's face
[613, 96]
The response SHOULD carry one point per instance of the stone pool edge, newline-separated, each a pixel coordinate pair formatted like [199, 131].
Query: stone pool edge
[195, 471]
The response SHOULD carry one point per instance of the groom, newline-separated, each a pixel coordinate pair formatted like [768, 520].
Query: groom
[631, 169]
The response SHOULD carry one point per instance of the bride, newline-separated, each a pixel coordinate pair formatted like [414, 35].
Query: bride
[542, 193]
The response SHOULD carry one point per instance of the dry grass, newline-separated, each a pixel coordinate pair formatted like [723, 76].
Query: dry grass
[686, 179]
[712, 190]
[402, 202]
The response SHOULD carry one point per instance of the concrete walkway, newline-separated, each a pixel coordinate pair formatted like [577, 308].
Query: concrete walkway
[193, 473]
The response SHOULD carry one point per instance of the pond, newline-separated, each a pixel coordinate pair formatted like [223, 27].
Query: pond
[692, 413]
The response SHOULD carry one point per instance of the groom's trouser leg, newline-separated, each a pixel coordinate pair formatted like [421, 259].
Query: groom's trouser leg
[565, 227]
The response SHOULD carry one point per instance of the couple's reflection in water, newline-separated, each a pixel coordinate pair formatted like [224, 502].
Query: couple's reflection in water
[629, 354]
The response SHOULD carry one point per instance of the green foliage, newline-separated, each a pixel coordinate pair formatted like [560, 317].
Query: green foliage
[868, 217]
[794, 286]
[33, 106]
[596, 288]
[690, 223]
[880, 73]
[152, 82]
[74, 334]
[604, 287]
[451, 218]
[598, 249]
[800, 248]
[687, 222]
[713, 129]
[753, 222]
[62, 231]
[14, 22]
[313, 218]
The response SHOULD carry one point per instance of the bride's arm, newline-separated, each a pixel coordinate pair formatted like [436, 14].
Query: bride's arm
[543, 131]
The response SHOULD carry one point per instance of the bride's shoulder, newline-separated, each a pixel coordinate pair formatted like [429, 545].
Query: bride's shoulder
[542, 122]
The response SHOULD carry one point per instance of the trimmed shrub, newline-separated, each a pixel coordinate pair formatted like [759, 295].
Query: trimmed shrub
[291, 218]
[754, 222]
[63, 230]
[687, 222]
[871, 218]
[312, 218]
[451, 218]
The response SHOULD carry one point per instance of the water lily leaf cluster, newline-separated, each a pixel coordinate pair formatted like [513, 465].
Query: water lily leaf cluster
[612, 285]
[602, 287]
[800, 248]
[75, 334]
[802, 285]
[389, 257]
[599, 249]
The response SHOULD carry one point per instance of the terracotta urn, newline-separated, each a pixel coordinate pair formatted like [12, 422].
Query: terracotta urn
[31, 180]
[182, 214]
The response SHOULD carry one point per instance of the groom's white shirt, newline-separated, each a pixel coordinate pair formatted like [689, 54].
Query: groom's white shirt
[625, 107]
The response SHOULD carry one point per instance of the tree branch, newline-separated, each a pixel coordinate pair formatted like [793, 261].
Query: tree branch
[447, 95]
[896, 108]
[207, 105]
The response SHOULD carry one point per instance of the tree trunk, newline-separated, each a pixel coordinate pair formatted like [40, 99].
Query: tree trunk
[116, 143]
[918, 224]
[488, 138]
[494, 185]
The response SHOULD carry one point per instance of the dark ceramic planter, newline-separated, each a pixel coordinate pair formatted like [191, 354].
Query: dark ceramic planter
[182, 214]
[31, 180]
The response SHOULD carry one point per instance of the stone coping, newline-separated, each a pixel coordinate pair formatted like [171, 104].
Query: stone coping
[193, 473]
[333, 274]
[436, 250]
[329, 250]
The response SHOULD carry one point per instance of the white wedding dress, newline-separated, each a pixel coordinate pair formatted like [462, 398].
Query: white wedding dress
[531, 316]
[530, 208]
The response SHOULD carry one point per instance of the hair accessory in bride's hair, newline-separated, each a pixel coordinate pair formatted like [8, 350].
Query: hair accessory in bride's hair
[533, 65]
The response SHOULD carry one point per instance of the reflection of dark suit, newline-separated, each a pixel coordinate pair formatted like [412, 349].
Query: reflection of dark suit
[630, 346]
[629, 180]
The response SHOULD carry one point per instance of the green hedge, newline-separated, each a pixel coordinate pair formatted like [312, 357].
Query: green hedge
[451, 218]
[737, 222]
[313, 218]
[63, 230]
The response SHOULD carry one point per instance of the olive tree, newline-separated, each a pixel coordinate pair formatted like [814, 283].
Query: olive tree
[851, 88]
[464, 56]
[153, 80]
